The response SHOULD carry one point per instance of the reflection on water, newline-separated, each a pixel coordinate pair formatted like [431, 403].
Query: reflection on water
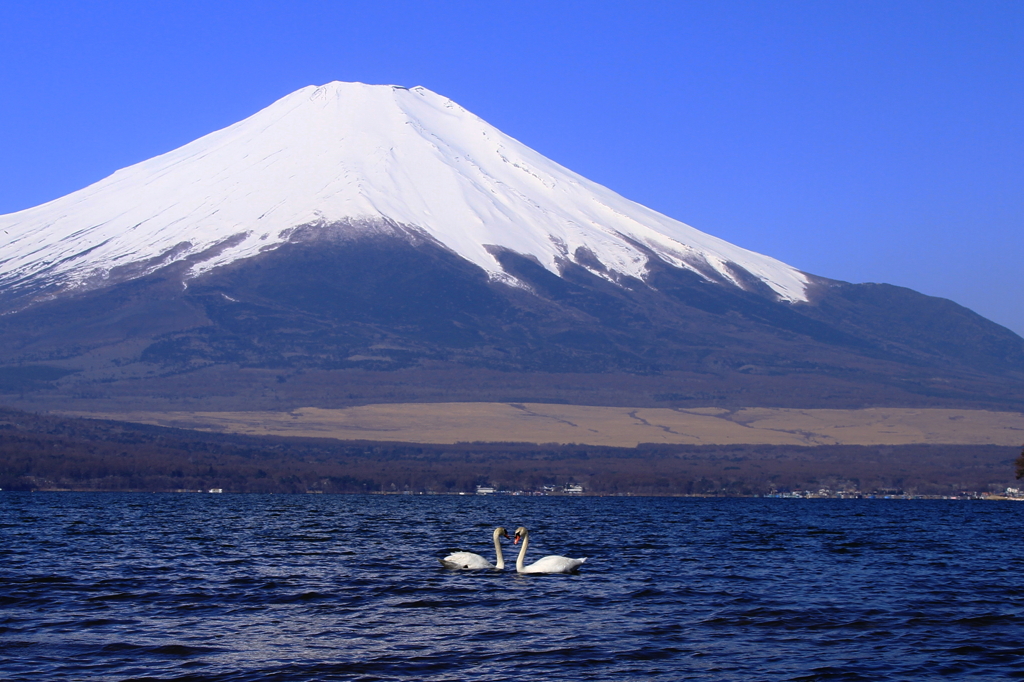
[236, 587]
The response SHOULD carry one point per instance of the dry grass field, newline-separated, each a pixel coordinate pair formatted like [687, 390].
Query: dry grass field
[445, 423]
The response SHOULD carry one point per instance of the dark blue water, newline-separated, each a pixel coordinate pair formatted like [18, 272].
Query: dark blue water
[311, 587]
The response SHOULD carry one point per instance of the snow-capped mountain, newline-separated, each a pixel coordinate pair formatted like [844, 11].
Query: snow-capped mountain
[357, 155]
[353, 244]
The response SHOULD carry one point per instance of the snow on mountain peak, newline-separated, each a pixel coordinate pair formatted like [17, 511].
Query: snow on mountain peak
[350, 152]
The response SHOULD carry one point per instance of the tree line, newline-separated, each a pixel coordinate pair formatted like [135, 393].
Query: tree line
[45, 452]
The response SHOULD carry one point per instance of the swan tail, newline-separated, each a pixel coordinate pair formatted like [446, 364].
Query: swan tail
[465, 560]
[455, 565]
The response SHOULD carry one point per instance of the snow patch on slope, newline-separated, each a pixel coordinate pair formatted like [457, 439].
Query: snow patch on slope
[354, 152]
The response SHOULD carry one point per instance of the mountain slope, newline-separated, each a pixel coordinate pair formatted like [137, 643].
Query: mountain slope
[334, 322]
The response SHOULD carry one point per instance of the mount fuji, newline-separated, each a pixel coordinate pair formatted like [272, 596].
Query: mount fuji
[366, 157]
[353, 243]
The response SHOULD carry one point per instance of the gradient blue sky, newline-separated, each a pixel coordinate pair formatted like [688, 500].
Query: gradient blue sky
[863, 141]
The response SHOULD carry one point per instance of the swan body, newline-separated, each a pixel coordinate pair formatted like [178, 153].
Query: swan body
[469, 561]
[549, 564]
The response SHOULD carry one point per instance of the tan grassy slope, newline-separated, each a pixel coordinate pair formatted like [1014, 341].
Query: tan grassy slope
[611, 426]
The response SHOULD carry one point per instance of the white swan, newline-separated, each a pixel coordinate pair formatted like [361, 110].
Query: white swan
[468, 560]
[549, 564]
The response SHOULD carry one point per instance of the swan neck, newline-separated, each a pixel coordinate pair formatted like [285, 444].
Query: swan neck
[522, 553]
[500, 563]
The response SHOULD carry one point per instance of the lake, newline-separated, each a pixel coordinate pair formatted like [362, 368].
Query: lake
[324, 587]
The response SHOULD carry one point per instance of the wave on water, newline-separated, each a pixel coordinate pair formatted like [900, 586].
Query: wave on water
[249, 587]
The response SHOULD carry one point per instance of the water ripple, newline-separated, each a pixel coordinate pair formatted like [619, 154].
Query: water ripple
[239, 588]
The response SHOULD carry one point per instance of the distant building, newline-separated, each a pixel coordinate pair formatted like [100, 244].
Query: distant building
[485, 490]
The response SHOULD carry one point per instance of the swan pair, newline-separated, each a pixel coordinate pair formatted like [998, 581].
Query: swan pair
[549, 564]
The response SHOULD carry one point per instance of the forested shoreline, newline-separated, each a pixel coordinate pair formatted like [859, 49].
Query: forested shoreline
[45, 452]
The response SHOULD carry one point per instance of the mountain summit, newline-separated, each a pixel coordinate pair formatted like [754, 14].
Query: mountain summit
[361, 156]
[352, 244]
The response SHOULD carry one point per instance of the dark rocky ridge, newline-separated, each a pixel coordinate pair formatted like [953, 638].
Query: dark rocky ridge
[338, 317]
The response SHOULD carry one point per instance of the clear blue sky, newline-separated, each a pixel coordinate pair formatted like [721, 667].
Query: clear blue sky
[863, 141]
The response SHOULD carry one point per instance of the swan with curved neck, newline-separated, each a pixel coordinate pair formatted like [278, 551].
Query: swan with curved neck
[549, 564]
[470, 561]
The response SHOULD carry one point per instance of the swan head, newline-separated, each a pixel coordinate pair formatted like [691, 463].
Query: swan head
[521, 534]
[500, 532]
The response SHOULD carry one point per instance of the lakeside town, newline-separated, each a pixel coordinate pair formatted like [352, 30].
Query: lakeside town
[574, 489]
[577, 490]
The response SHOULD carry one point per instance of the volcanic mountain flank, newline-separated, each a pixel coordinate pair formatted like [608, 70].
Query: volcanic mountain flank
[354, 243]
